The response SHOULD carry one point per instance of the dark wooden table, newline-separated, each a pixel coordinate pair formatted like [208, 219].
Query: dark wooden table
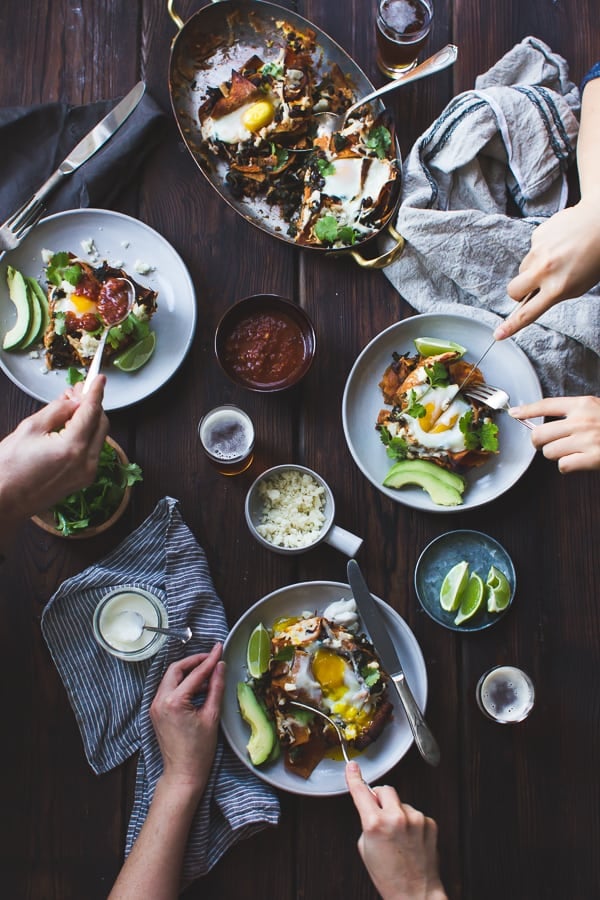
[518, 808]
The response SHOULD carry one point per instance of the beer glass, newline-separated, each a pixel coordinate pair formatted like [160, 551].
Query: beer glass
[402, 30]
[227, 437]
[505, 694]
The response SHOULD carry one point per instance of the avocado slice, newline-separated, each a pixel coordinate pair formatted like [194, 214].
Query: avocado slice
[262, 737]
[34, 288]
[35, 321]
[445, 488]
[17, 291]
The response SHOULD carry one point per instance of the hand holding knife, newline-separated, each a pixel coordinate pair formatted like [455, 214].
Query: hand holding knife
[374, 624]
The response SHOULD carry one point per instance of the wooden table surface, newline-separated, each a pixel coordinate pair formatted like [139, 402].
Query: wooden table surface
[518, 807]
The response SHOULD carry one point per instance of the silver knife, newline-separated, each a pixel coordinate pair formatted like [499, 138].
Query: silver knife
[375, 625]
[20, 224]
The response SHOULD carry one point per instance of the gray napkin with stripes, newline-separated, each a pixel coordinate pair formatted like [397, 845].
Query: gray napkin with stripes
[111, 698]
[512, 138]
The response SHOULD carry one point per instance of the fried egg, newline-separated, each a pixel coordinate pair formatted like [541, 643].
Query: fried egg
[240, 124]
[75, 303]
[343, 694]
[439, 428]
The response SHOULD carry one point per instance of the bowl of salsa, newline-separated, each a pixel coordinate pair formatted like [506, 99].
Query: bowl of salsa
[265, 343]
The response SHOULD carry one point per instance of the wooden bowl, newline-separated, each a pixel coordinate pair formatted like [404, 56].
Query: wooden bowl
[45, 520]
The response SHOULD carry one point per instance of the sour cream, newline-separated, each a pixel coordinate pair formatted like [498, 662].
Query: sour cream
[117, 630]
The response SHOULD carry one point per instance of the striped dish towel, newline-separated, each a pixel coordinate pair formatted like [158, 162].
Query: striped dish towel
[111, 698]
[506, 143]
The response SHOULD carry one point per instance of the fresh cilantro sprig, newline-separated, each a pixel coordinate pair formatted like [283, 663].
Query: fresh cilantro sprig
[370, 676]
[379, 139]
[396, 447]
[95, 504]
[483, 436]
[74, 375]
[414, 409]
[137, 328]
[60, 269]
[437, 374]
[275, 70]
[325, 167]
[329, 230]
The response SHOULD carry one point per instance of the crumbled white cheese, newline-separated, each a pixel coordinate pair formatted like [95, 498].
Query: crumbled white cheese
[34, 354]
[44, 370]
[117, 264]
[47, 255]
[88, 246]
[67, 287]
[142, 267]
[88, 344]
[140, 312]
[125, 244]
[292, 514]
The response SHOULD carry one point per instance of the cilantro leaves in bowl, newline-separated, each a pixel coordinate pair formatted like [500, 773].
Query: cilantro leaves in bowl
[93, 509]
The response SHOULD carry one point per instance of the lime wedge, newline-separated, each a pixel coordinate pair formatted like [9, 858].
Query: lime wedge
[498, 593]
[471, 600]
[138, 355]
[427, 346]
[453, 585]
[258, 652]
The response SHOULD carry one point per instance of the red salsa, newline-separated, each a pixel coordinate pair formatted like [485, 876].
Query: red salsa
[265, 349]
[113, 301]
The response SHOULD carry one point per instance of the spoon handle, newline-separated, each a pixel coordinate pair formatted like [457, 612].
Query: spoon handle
[181, 634]
[440, 60]
[96, 363]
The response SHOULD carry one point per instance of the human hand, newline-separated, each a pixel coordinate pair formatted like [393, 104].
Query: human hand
[187, 734]
[398, 844]
[573, 440]
[52, 453]
[563, 262]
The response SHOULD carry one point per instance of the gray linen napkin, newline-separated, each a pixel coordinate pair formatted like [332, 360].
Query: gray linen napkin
[512, 137]
[36, 139]
[111, 698]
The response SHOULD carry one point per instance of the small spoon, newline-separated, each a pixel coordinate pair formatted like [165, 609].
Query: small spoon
[134, 625]
[97, 360]
[330, 123]
[338, 731]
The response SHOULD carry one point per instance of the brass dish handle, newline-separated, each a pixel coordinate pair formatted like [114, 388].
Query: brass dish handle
[386, 259]
[177, 19]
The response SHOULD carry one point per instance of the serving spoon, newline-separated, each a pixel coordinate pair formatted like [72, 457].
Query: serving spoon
[134, 625]
[330, 123]
[97, 360]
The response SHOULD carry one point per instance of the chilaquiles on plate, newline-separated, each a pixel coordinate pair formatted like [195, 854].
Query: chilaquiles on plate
[336, 194]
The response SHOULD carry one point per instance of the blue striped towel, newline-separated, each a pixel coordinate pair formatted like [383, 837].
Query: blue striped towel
[510, 139]
[111, 698]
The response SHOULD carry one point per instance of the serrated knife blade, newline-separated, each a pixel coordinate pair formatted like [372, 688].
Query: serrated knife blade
[387, 653]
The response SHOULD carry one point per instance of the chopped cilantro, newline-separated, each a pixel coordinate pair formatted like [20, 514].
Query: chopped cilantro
[325, 167]
[60, 323]
[275, 70]
[137, 328]
[437, 374]
[286, 654]
[59, 269]
[281, 155]
[95, 504]
[414, 409]
[379, 139]
[329, 231]
[483, 436]
[74, 375]
[370, 676]
[396, 447]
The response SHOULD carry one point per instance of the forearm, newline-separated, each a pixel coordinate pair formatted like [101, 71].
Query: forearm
[153, 868]
[588, 144]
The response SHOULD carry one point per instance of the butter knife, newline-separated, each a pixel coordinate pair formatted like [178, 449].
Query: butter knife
[18, 226]
[376, 627]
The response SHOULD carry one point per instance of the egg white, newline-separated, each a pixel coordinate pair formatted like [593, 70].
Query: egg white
[437, 430]
[230, 128]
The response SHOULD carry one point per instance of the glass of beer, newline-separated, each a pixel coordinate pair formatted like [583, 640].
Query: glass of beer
[402, 29]
[505, 694]
[227, 437]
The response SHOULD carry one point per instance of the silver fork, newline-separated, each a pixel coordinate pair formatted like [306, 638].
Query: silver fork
[338, 731]
[495, 398]
[18, 226]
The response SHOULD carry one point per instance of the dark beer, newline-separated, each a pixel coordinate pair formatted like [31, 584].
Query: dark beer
[402, 30]
[227, 436]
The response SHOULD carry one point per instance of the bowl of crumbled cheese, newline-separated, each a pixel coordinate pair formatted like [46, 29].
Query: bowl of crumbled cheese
[291, 509]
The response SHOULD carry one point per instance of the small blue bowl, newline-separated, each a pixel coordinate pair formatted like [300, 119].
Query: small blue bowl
[481, 551]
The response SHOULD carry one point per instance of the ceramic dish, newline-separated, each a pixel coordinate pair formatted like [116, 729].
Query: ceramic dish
[328, 777]
[265, 343]
[505, 366]
[481, 551]
[118, 239]
[45, 520]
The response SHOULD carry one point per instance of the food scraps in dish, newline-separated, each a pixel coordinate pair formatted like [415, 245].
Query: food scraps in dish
[324, 662]
[433, 433]
[334, 196]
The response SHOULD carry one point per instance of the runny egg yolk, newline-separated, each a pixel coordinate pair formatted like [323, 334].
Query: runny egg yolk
[258, 115]
[328, 669]
[431, 417]
[82, 304]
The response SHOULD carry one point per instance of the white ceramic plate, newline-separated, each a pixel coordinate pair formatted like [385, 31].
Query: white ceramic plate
[505, 366]
[118, 239]
[328, 777]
